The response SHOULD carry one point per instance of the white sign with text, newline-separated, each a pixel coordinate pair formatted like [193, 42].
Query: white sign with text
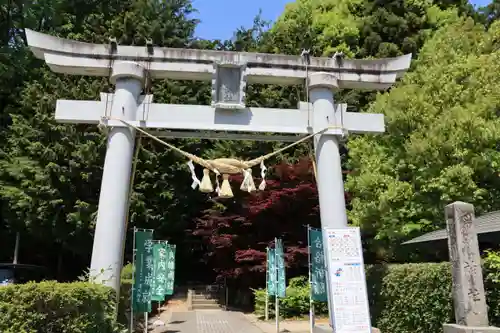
[348, 299]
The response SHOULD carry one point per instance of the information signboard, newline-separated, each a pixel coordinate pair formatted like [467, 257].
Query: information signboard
[346, 279]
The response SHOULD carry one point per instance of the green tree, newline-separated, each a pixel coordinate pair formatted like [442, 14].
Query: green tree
[441, 143]
[50, 173]
[359, 28]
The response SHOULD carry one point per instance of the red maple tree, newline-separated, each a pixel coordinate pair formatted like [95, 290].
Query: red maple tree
[235, 232]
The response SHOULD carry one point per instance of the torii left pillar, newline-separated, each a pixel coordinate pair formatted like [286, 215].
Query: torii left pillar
[109, 239]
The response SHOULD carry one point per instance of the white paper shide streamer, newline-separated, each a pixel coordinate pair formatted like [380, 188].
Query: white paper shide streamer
[217, 175]
[196, 181]
[263, 170]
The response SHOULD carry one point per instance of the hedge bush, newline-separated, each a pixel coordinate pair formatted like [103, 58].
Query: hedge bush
[296, 304]
[125, 294]
[492, 285]
[52, 307]
[408, 298]
[417, 298]
[411, 298]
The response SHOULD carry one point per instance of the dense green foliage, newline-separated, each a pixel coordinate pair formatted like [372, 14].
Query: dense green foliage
[406, 298]
[50, 173]
[359, 28]
[50, 307]
[441, 144]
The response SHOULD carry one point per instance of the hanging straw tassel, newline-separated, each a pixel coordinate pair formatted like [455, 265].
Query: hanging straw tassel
[263, 169]
[248, 184]
[206, 184]
[225, 189]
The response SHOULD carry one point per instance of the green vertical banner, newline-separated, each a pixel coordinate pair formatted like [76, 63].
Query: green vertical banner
[280, 263]
[271, 272]
[318, 271]
[160, 271]
[143, 273]
[170, 250]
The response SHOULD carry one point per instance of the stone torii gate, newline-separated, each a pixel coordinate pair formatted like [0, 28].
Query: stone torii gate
[129, 66]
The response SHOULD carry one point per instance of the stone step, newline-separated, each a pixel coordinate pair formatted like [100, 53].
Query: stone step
[199, 296]
[205, 306]
[205, 301]
[206, 288]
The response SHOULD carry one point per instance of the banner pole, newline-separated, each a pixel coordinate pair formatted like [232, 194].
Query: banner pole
[277, 309]
[276, 299]
[145, 322]
[267, 278]
[309, 264]
[132, 287]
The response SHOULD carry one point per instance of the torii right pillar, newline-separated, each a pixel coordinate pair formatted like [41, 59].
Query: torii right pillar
[328, 163]
[328, 160]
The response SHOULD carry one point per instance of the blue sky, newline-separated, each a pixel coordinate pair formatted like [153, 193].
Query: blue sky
[220, 18]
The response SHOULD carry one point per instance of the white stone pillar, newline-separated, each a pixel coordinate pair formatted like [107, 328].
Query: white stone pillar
[329, 170]
[328, 167]
[110, 230]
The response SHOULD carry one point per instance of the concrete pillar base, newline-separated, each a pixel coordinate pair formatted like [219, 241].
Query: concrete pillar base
[455, 328]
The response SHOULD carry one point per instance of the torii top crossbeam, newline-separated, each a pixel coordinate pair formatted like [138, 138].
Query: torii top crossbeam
[190, 64]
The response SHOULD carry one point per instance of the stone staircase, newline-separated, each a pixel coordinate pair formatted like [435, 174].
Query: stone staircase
[203, 298]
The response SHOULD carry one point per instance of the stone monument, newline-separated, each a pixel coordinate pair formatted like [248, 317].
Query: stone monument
[127, 111]
[469, 298]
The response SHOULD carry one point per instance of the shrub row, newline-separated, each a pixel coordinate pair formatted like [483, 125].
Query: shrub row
[408, 298]
[53, 307]
[125, 295]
